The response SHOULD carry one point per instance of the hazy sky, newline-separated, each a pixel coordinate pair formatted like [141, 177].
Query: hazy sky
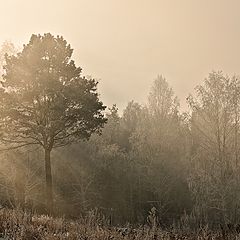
[127, 43]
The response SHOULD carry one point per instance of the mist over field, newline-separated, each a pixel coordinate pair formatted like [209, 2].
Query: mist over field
[119, 119]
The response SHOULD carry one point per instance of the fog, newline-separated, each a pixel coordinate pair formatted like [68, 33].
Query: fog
[127, 43]
[119, 113]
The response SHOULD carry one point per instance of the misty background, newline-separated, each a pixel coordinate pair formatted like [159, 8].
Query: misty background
[159, 146]
[126, 43]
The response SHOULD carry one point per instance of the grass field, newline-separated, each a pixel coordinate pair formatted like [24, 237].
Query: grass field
[17, 225]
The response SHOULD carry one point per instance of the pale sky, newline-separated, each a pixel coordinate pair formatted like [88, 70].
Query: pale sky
[127, 43]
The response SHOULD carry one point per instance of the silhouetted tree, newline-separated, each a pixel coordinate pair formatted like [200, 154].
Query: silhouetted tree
[46, 101]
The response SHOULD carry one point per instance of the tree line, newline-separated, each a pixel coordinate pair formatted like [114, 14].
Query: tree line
[182, 165]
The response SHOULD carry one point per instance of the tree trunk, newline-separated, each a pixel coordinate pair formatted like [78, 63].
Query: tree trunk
[49, 188]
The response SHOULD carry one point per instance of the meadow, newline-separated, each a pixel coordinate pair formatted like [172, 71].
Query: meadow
[16, 224]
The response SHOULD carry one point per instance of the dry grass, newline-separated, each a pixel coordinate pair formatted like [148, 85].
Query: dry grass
[19, 225]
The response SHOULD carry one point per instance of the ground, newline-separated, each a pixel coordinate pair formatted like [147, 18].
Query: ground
[16, 225]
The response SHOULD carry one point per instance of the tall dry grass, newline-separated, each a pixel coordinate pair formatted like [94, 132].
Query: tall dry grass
[16, 225]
